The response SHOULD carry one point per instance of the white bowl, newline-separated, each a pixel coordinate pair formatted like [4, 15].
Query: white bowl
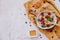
[55, 20]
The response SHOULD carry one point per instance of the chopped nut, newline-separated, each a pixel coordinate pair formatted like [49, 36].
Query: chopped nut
[55, 31]
[44, 2]
[32, 6]
[33, 18]
[50, 30]
[52, 36]
[35, 11]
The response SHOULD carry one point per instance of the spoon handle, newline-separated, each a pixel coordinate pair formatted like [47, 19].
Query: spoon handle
[58, 25]
[55, 24]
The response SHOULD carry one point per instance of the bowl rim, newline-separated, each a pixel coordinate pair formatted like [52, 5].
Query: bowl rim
[46, 27]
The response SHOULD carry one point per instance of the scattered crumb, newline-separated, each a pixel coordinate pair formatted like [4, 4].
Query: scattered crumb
[29, 22]
[53, 0]
[30, 25]
[40, 37]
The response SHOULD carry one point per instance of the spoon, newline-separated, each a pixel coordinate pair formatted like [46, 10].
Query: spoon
[54, 24]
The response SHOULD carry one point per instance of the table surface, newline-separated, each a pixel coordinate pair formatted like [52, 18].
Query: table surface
[12, 21]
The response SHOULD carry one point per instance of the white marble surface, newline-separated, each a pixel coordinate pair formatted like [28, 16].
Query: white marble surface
[12, 21]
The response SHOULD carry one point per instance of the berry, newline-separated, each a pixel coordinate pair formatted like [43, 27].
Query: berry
[42, 13]
[42, 19]
[48, 25]
[49, 13]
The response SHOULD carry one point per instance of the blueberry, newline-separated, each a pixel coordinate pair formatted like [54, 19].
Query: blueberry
[38, 19]
[43, 26]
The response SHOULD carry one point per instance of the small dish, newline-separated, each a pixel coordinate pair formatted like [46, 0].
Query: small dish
[33, 33]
